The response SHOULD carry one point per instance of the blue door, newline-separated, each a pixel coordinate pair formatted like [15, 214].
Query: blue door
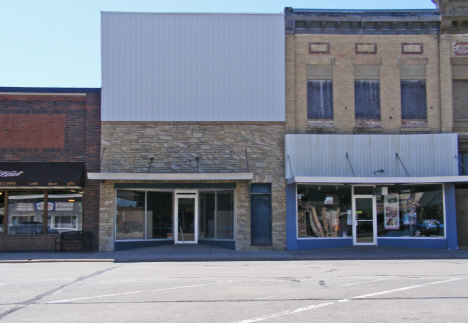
[260, 211]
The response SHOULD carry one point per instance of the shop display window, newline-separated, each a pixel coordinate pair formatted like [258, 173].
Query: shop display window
[65, 211]
[324, 211]
[216, 215]
[144, 214]
[130, 221]
[159, 215]
[411, 211]
[27, 210]
[2, 211]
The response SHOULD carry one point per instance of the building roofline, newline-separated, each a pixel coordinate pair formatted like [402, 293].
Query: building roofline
[48, 90]
[195, 13]
[289, 10]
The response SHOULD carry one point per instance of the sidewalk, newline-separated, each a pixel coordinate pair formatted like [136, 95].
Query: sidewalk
[207, 253]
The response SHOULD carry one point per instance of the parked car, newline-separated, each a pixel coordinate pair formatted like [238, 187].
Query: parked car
[429, 227]
[133, 226]
[30, 228]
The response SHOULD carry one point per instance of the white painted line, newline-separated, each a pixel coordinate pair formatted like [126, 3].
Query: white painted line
[366, 282]
[311, 307]
[445, 281]
[388, 291]
[135, 292]
[297, 310]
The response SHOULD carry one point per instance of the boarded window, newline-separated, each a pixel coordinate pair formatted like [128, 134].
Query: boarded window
[460, 99]
[320, 99]
[413, 99]
[367, 99]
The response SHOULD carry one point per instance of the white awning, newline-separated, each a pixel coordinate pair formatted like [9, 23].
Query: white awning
[377, 180]
[170, 176]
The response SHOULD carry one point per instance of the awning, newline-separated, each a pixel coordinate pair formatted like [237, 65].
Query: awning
[377, 180]
[170, 176]
[41, 174]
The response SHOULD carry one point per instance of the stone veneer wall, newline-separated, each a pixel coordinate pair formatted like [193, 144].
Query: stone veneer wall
[220, 147]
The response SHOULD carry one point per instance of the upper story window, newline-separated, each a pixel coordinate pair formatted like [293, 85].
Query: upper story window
[320, 95]
[413, 95]
[367, 95]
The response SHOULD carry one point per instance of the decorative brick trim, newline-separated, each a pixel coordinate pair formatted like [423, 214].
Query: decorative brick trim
[414, 123]
[319, 48]
[320, 123]
[460, 48]
[366, 48]
[412, 48]
[368, 123]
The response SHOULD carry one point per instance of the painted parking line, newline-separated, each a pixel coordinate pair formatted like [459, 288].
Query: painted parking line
[366, 282]
[136, 292]
[311, 307]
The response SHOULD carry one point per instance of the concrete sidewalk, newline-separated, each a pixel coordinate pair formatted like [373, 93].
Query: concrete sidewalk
[207, 253]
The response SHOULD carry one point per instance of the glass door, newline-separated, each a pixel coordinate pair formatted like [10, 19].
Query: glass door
[365, 228]
[186, 217]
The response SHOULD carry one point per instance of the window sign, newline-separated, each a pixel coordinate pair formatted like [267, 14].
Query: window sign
[40, 206]
[63, 206]
[24, 207]
[392, 212]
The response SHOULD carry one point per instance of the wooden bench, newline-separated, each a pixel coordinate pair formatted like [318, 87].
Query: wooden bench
[82, 238]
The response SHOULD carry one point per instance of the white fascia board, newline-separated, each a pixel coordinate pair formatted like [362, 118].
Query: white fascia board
[377, 180]
[170, 177]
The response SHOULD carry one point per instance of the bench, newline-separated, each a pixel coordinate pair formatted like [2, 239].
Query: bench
[82, 238]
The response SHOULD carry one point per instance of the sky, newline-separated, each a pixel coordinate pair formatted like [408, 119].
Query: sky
[56, 43]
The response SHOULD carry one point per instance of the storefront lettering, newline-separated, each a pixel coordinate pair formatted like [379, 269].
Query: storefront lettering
[10, 173]
[33, 183]
[51, 184]
[71, 184]
[7, 183]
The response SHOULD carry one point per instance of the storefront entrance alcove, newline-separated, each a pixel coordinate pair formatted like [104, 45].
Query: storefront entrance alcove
[153, 215]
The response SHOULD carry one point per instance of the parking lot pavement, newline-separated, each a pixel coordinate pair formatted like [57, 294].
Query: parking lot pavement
[235, 292]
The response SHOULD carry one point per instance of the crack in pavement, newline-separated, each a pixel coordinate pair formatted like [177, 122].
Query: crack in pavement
[50, 292]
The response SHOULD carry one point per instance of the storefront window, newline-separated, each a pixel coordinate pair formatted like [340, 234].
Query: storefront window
[65, 211]
[130, 222]
[26, 213]
[324, 211]
[159, 215]
[2, 211]
[411, 211]
[216, 215]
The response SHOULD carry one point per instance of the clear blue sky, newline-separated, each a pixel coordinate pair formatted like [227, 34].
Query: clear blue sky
[56, 43]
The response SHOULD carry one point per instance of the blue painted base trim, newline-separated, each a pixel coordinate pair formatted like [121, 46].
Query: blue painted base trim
[305, 244]
[414, 243]
[219, 244]
[125, 245]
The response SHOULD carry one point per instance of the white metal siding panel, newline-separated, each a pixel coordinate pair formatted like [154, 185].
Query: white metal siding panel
[325, 155]
[192, 67]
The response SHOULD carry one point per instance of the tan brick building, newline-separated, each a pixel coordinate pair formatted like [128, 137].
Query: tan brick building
[372, 131]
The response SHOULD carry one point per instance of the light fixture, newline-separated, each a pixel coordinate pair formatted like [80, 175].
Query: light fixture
[71, 200]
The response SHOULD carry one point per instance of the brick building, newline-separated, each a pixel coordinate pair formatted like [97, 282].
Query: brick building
[49, 139]
[372, 141]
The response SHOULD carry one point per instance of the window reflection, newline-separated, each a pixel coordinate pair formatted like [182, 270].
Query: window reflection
[130, 215]
[25, 213]
[2, 211]
[411, 211]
